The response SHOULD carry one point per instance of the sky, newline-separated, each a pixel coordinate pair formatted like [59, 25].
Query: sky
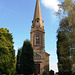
[17, 16]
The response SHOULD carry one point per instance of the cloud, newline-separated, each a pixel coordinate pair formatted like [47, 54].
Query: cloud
[54, 67]
[52, 4]
[53, 63]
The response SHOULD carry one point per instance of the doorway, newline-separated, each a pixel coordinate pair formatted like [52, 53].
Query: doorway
[37, 69]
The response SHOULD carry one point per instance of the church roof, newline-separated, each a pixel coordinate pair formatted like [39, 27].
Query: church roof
[47, 53]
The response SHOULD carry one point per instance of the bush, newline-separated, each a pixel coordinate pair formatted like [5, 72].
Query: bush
[51, 72]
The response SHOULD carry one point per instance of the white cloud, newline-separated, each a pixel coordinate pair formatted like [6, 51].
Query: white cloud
[54, 67]
[53, 63]
[52, 4]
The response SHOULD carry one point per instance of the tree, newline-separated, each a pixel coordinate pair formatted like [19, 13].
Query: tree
[7, 53]
[51, 72]
[63, 48]
[18, 65]
[27, 62]
[68, 7]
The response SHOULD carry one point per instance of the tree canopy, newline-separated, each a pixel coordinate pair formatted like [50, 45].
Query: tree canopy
[63, 49]
[67, 27]
[7, 53]
[18, 64]
[25, 61]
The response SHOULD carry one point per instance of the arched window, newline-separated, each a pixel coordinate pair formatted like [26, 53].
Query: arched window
[37, 39]
[37, 56]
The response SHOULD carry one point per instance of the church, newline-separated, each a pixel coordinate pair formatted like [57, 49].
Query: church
[41, 58]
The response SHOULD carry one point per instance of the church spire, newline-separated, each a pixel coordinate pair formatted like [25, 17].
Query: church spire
[37, 20]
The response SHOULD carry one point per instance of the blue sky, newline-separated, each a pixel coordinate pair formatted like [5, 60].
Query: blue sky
[17, 16]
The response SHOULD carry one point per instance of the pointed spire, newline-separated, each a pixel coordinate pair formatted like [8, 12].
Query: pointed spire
[37, 11]
[37, 15]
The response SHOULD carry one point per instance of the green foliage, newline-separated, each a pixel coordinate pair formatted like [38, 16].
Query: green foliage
[55, 74]
[51, 72]
[25, 62]
[7, 53]
[63, 48]
[68, 7]
[18, 66]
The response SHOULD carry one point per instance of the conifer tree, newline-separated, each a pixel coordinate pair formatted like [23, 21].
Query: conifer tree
[18, 65]
[7, 53]
[27, 62]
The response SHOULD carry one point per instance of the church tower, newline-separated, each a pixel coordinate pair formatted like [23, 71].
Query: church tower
[41, 58]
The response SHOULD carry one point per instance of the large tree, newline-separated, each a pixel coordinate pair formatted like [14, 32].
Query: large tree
[7, 53]
[63, 53]
[68, 7]
[27, 61]
[63, 48]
